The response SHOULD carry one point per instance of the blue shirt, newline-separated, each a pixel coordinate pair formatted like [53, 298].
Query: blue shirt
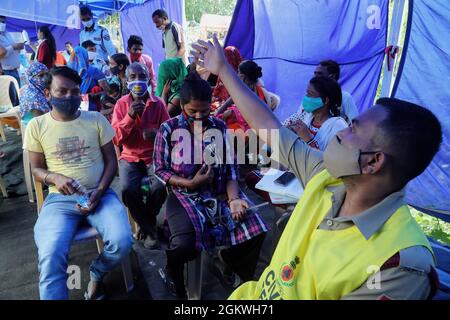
[100, 36]
[11, 60]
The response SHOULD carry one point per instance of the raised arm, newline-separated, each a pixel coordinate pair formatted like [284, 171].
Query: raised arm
[254, 110]
[288, 149]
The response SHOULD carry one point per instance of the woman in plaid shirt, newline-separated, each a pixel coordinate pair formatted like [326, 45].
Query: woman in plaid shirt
[205, 208]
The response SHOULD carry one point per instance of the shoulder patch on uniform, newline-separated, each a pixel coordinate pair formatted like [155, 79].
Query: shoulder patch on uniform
[106, 36]
[417, 258]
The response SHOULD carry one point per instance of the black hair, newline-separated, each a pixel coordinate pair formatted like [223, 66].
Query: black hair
[134, 39]
[251, 70]
[121, 59]
[63, 71]
[332, 67]
[85, 11]
[68, 42]
[161, 14]
[329, 88]
[50, 40]
[88, 43]
[411, 134]
[195, 88]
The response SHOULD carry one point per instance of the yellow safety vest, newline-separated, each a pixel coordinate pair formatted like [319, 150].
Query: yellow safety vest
[311, 263]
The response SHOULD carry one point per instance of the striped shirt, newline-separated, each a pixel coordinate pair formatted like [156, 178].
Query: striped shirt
[167, 155]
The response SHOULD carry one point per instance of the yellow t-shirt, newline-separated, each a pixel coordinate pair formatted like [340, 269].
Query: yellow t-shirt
[71, 148]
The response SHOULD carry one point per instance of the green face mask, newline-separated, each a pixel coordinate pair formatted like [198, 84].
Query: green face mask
[311, 104]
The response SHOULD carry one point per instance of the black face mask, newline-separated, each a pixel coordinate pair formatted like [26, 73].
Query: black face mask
[66, 106]
[115, 70]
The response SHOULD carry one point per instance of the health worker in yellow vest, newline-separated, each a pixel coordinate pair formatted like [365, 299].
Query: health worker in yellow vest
[351, 235]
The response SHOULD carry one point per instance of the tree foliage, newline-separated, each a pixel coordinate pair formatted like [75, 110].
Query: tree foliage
[196, 8]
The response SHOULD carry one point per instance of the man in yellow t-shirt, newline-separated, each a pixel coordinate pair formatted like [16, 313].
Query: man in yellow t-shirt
[351, 236]
[71, 151]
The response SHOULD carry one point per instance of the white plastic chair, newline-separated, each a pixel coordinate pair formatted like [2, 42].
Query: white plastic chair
[3, 187]
[194, 279]
[27, 168]
[5, 100]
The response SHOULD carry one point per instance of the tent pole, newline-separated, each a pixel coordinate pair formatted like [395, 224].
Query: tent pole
[393, 40]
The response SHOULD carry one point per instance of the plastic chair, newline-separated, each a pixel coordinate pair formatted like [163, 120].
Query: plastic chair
[27, 168]
[88, 234]
[3, 187]
[5, 100]
[194, 279]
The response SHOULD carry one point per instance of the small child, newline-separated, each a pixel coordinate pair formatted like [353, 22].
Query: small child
[108, 101]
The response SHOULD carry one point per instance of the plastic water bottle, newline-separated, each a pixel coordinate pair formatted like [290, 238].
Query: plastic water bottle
[82, 195]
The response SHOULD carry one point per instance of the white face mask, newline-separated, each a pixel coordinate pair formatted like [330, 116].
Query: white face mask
[91, 55]
[88, 23]
[2, 27]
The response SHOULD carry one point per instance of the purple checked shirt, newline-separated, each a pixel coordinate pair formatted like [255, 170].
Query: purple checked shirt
[172, 157]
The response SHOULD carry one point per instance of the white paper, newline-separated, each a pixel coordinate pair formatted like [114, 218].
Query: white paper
[280, 199]
[25, 37]
[293, 190]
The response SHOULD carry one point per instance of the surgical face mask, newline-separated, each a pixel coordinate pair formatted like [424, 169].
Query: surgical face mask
[66, 106]
[138, 87]
[88, 23]
[91, 55]
[2, 27]
[311, 104]
[342, 161]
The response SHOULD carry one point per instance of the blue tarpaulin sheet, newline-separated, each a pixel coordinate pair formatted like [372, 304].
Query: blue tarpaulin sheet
[289, 38]
[138, 21]
[57, 12]
[424, 78]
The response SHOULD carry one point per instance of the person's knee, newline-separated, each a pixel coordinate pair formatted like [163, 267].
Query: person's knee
[120, 244]
[130, 190]
[184, 246]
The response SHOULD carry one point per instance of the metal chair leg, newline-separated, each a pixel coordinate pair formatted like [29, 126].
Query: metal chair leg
[127, 274]
[27, 174]
[195, 277]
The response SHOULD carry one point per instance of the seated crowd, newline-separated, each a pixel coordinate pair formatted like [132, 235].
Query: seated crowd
[167, 137]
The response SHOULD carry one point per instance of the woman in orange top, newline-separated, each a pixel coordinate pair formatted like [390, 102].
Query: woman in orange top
[250, 73]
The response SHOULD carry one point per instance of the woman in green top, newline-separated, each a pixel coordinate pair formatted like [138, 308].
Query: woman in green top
[171, 75]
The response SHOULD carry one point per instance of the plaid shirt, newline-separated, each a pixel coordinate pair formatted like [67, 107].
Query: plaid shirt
[166, 166]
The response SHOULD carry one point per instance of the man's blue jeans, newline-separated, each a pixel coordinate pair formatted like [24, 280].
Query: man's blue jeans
[55, 229]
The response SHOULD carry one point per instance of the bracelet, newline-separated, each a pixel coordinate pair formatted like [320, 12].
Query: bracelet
[311, 140]
[232, 199]
[45, 179]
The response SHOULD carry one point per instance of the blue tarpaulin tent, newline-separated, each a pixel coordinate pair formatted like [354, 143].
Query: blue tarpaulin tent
[63, 18]
[424, 78]
[289, 38]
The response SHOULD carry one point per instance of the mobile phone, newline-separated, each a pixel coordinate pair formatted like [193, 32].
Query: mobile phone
[285, 178]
